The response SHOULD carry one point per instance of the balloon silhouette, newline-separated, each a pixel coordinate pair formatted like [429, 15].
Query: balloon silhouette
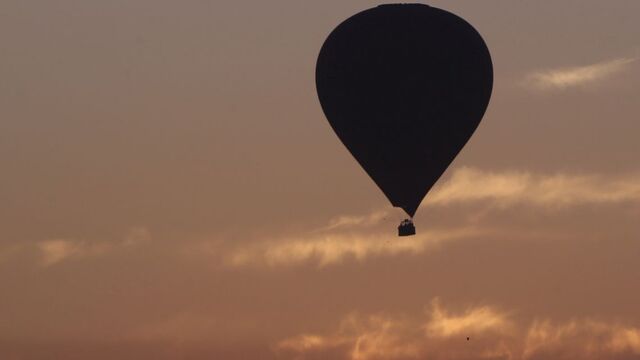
[404, 86]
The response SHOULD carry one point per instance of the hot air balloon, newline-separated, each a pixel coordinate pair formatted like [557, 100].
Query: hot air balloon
[404, 86]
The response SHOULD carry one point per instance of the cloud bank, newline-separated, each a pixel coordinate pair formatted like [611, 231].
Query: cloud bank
[361, 237]
[365, 236]
[441, 334]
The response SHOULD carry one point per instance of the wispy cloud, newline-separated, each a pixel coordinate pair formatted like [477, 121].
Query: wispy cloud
[493, 334]
[355, 220]
[361, 237]
[472, 321]
[520, 187]
[303, 343]
[384, 336]
[58, 250]
[583, 338]
[563, 78]
[376, 336]
[54, 251]
[334, 247]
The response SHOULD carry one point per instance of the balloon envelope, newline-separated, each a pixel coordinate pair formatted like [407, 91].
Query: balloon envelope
[404, 86]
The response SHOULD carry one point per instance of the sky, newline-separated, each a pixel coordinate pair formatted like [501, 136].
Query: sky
[170, 189]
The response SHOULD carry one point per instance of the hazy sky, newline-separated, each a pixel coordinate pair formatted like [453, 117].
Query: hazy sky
[170, 189]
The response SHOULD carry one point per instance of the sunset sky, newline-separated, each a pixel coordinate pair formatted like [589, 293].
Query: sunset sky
[170, 189]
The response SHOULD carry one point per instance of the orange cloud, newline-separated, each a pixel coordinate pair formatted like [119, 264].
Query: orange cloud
[441, 334]
[54, 251]
[362, 237]
[381, 336]
[363, 338]
[518, 187]
[473, 321]
[564, 78]
[335, 247]
[581, 338]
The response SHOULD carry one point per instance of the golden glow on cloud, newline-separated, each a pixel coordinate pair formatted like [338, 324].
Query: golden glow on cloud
[359, 237]
[520, 187]
[583, 338]
[576, 76]
[473, 321]
[335, 247]
[492, 335]
[382, 336]
[363, 338]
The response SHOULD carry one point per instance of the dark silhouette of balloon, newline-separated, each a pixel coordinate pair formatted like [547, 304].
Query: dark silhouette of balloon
[404, 86]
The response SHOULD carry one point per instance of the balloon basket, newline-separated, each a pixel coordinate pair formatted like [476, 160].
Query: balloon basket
[406, 228]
